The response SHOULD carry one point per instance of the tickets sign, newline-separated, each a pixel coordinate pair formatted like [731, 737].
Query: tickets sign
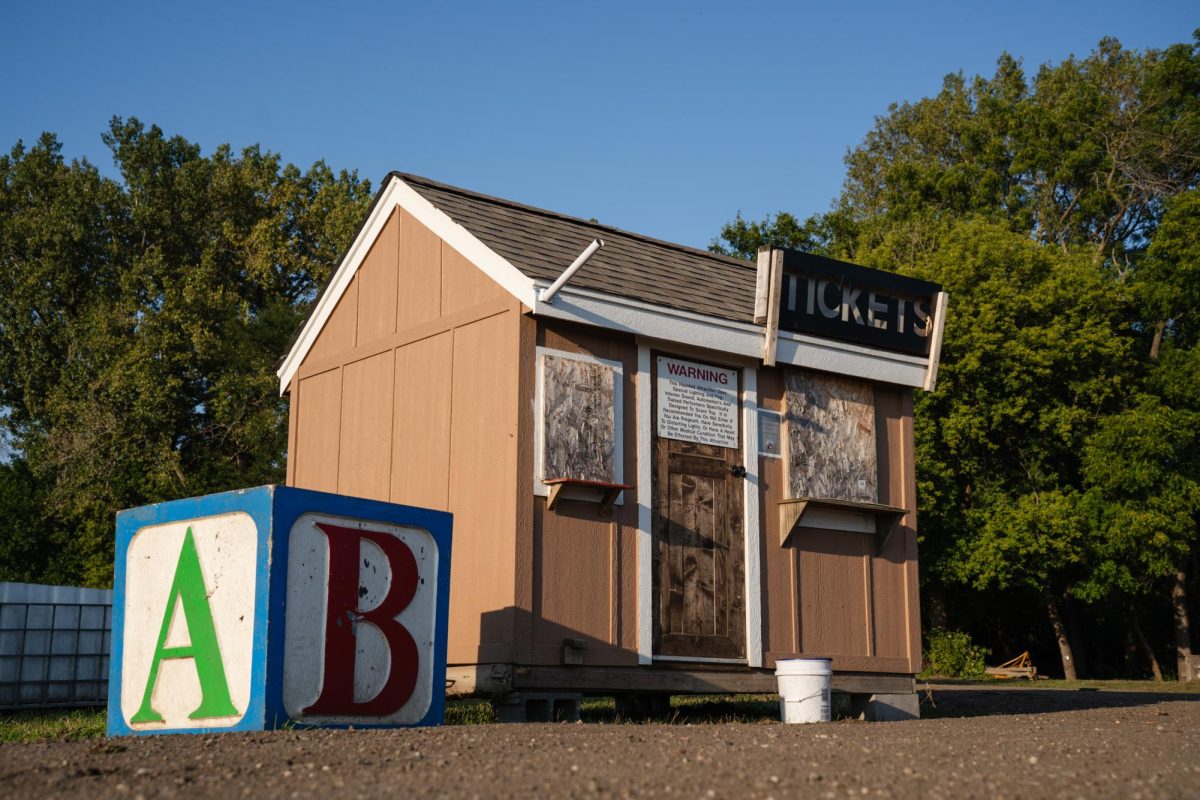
[257, 608]
[839, 300]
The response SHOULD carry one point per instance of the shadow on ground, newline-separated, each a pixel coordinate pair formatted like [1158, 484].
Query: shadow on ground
[944, 702]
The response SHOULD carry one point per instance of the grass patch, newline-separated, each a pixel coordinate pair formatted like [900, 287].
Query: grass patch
[703, 709]
[470, 711]
[66, 725]
[716, 709]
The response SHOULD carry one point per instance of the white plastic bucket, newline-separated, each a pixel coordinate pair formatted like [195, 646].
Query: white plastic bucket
[803, 689]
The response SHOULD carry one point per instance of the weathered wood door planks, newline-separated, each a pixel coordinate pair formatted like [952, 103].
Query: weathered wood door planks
[698, 550]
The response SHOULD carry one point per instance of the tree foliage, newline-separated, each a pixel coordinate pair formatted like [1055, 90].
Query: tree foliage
[1026, 372]
[141, 320]
[1056, 459]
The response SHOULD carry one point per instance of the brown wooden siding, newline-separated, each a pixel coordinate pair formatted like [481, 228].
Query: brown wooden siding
[829, 593]
[315, 458]
[377, 281]
[583, 582]
[409, 394]
[365, 451]
[420, 252]
[483, 457]
[338, 335]
[423, 390]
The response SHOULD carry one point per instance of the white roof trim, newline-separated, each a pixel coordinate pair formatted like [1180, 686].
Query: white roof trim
[726, 336]
[398, 193]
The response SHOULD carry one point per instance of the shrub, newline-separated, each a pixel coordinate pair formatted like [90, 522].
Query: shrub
[952, 654]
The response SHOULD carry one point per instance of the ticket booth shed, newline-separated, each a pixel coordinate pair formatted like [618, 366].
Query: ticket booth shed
[666, 473]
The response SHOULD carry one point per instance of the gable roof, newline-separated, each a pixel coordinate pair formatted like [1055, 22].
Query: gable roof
[542, 243]
[637, 284]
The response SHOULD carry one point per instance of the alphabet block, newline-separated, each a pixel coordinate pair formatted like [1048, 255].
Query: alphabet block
[257, 608]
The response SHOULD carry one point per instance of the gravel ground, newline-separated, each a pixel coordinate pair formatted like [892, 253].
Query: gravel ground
[994, 744]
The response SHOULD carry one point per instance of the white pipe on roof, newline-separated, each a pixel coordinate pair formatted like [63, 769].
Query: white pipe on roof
[547, 294]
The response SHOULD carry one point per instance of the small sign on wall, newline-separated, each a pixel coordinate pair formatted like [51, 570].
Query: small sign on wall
[697, 402]
[770, 443]
[255, 608]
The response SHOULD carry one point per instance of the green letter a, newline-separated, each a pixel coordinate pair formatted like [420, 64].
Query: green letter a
[188, 588]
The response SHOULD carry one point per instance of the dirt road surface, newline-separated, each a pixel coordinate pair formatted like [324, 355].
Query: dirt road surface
[984, 744]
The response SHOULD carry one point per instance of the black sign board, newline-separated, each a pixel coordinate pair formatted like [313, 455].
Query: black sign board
[839, 300]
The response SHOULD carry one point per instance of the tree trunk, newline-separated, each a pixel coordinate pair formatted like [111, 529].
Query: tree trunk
[1076, 634]
[1144, 643]
[1156, 342]
[1183, 629]
[1060, 633]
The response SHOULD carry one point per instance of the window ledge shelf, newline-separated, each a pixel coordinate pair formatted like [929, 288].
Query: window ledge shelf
[842, 515]
[588, 491]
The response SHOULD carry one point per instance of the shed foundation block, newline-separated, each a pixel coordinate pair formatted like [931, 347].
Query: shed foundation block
[885, 707]
[537, 707]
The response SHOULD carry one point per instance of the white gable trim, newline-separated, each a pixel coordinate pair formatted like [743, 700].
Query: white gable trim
[399, 194]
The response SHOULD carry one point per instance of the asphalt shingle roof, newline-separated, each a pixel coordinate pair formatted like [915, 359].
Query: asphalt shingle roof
[541, 244]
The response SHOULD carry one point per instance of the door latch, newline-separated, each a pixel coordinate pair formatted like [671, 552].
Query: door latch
[737, 471]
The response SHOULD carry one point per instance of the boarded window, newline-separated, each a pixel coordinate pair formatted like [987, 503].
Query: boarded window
[831, 438]
[580, 419]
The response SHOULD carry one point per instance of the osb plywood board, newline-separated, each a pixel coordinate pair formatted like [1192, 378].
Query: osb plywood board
[830, 437]
[580, 427]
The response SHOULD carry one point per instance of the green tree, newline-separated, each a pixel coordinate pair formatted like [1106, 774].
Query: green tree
[142, 319]
[1143, 464]
[1071, 310]
[27, 543]
[819, 233]
[1034, 355]
[1143, 468]
[1084, 155]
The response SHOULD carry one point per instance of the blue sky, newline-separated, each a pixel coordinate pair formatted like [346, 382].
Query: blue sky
[663, 118]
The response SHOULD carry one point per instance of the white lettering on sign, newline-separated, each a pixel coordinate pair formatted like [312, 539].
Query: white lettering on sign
[697, 403]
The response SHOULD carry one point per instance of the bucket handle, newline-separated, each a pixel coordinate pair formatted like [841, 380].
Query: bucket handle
[817, 693]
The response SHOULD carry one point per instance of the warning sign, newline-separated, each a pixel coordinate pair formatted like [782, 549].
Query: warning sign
[697, 403]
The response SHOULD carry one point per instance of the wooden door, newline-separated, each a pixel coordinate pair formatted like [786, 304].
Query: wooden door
[699, 552]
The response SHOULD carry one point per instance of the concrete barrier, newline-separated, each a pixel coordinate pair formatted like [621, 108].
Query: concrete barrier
[274, 606]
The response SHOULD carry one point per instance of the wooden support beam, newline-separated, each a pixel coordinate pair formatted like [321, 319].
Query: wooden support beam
[774, 292]
[935, 343]
[762, 285]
